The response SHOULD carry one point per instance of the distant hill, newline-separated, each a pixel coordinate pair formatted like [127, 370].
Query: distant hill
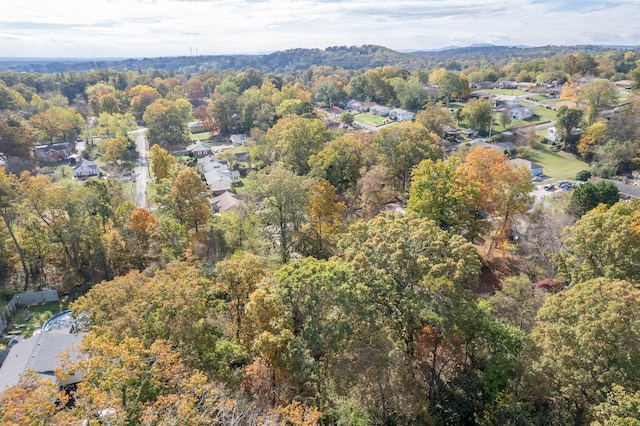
[351, 58]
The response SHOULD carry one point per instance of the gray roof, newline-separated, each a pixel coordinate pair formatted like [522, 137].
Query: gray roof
[630, 190]
[226, 201]
[40, 353]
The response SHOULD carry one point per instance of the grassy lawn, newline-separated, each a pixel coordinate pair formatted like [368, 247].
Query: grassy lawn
[545, 113]
[204, 136]
[63, 171]
[39, 314]
[550, 101]
[376, 120]
[558, 165]
[510, 92]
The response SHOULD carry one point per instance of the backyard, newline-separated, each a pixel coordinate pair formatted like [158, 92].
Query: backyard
[29, 318]
[558, 165]
[376, 120]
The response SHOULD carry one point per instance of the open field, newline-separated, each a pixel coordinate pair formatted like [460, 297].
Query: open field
[376, 120]
[558, 165]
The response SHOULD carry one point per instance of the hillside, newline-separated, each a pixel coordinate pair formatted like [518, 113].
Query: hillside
[352, 58]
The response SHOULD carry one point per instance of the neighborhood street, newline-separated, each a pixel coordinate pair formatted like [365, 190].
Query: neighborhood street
[142, 169]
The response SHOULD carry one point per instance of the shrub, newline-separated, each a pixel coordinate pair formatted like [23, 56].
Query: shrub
[583, 175]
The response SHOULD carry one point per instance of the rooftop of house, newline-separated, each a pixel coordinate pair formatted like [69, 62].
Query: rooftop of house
[40, 353]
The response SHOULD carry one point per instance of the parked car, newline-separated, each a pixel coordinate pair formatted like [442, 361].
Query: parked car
[537, 178]
[564, 184]
[549, 187]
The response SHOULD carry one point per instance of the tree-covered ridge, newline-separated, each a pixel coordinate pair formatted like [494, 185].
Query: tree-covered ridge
[292, 60]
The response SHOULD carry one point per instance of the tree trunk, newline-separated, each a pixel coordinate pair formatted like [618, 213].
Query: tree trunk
[19, 250]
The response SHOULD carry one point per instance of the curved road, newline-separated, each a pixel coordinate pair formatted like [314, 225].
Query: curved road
[142, 169]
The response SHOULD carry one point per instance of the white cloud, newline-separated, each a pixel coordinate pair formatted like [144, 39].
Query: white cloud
[101, 28]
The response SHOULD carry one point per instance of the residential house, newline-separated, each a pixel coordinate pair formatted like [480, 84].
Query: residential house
[554, 91]
[196, 127]
[401, 115]
[380, 110]
[86, 169]
[217, 182]
[505, 101]
[507, 84]
[40, 353]
[238, 140]
[359, 106]
[630, 190]
[553, 135]
[535, 169]
[198, 149]
[211, 163]
[623, 84]
[485, 85]
[53, 152]
[521, 113]
[227, 201]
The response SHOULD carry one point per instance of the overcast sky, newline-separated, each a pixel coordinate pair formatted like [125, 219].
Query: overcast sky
[149, 28]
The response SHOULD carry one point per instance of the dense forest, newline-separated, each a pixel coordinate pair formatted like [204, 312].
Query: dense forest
[364, 277]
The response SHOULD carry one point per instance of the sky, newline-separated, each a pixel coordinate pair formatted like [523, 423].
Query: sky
[151, 28]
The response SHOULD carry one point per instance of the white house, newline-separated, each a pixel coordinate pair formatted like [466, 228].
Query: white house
[521, 113]
[217, 182]
[86, 169]
[401, 115]
[552, 134]
[212, 164]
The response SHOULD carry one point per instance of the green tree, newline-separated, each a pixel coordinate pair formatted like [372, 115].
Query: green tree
[595, 95]
[116, 149]
[604, 243]
[340, 162]
[166, 124]
[434, 118]
[441, 192]
[10, 211]
[238, 277]
[296, 139]
[16, 141]
[398, 257]
[282, 197]
[329, 91]
[58, 123]
[566, 120]
[584, 342]
[190, 203]
[478, 114]
[403, 147]
[453, 86]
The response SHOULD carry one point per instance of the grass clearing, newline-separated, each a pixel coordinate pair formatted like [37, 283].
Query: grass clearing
[204, 136]
[558, 165]
[376, 120]
[546, 113]
[509, 92]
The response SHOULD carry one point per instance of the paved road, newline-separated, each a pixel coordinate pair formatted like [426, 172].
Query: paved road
[142, 169]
